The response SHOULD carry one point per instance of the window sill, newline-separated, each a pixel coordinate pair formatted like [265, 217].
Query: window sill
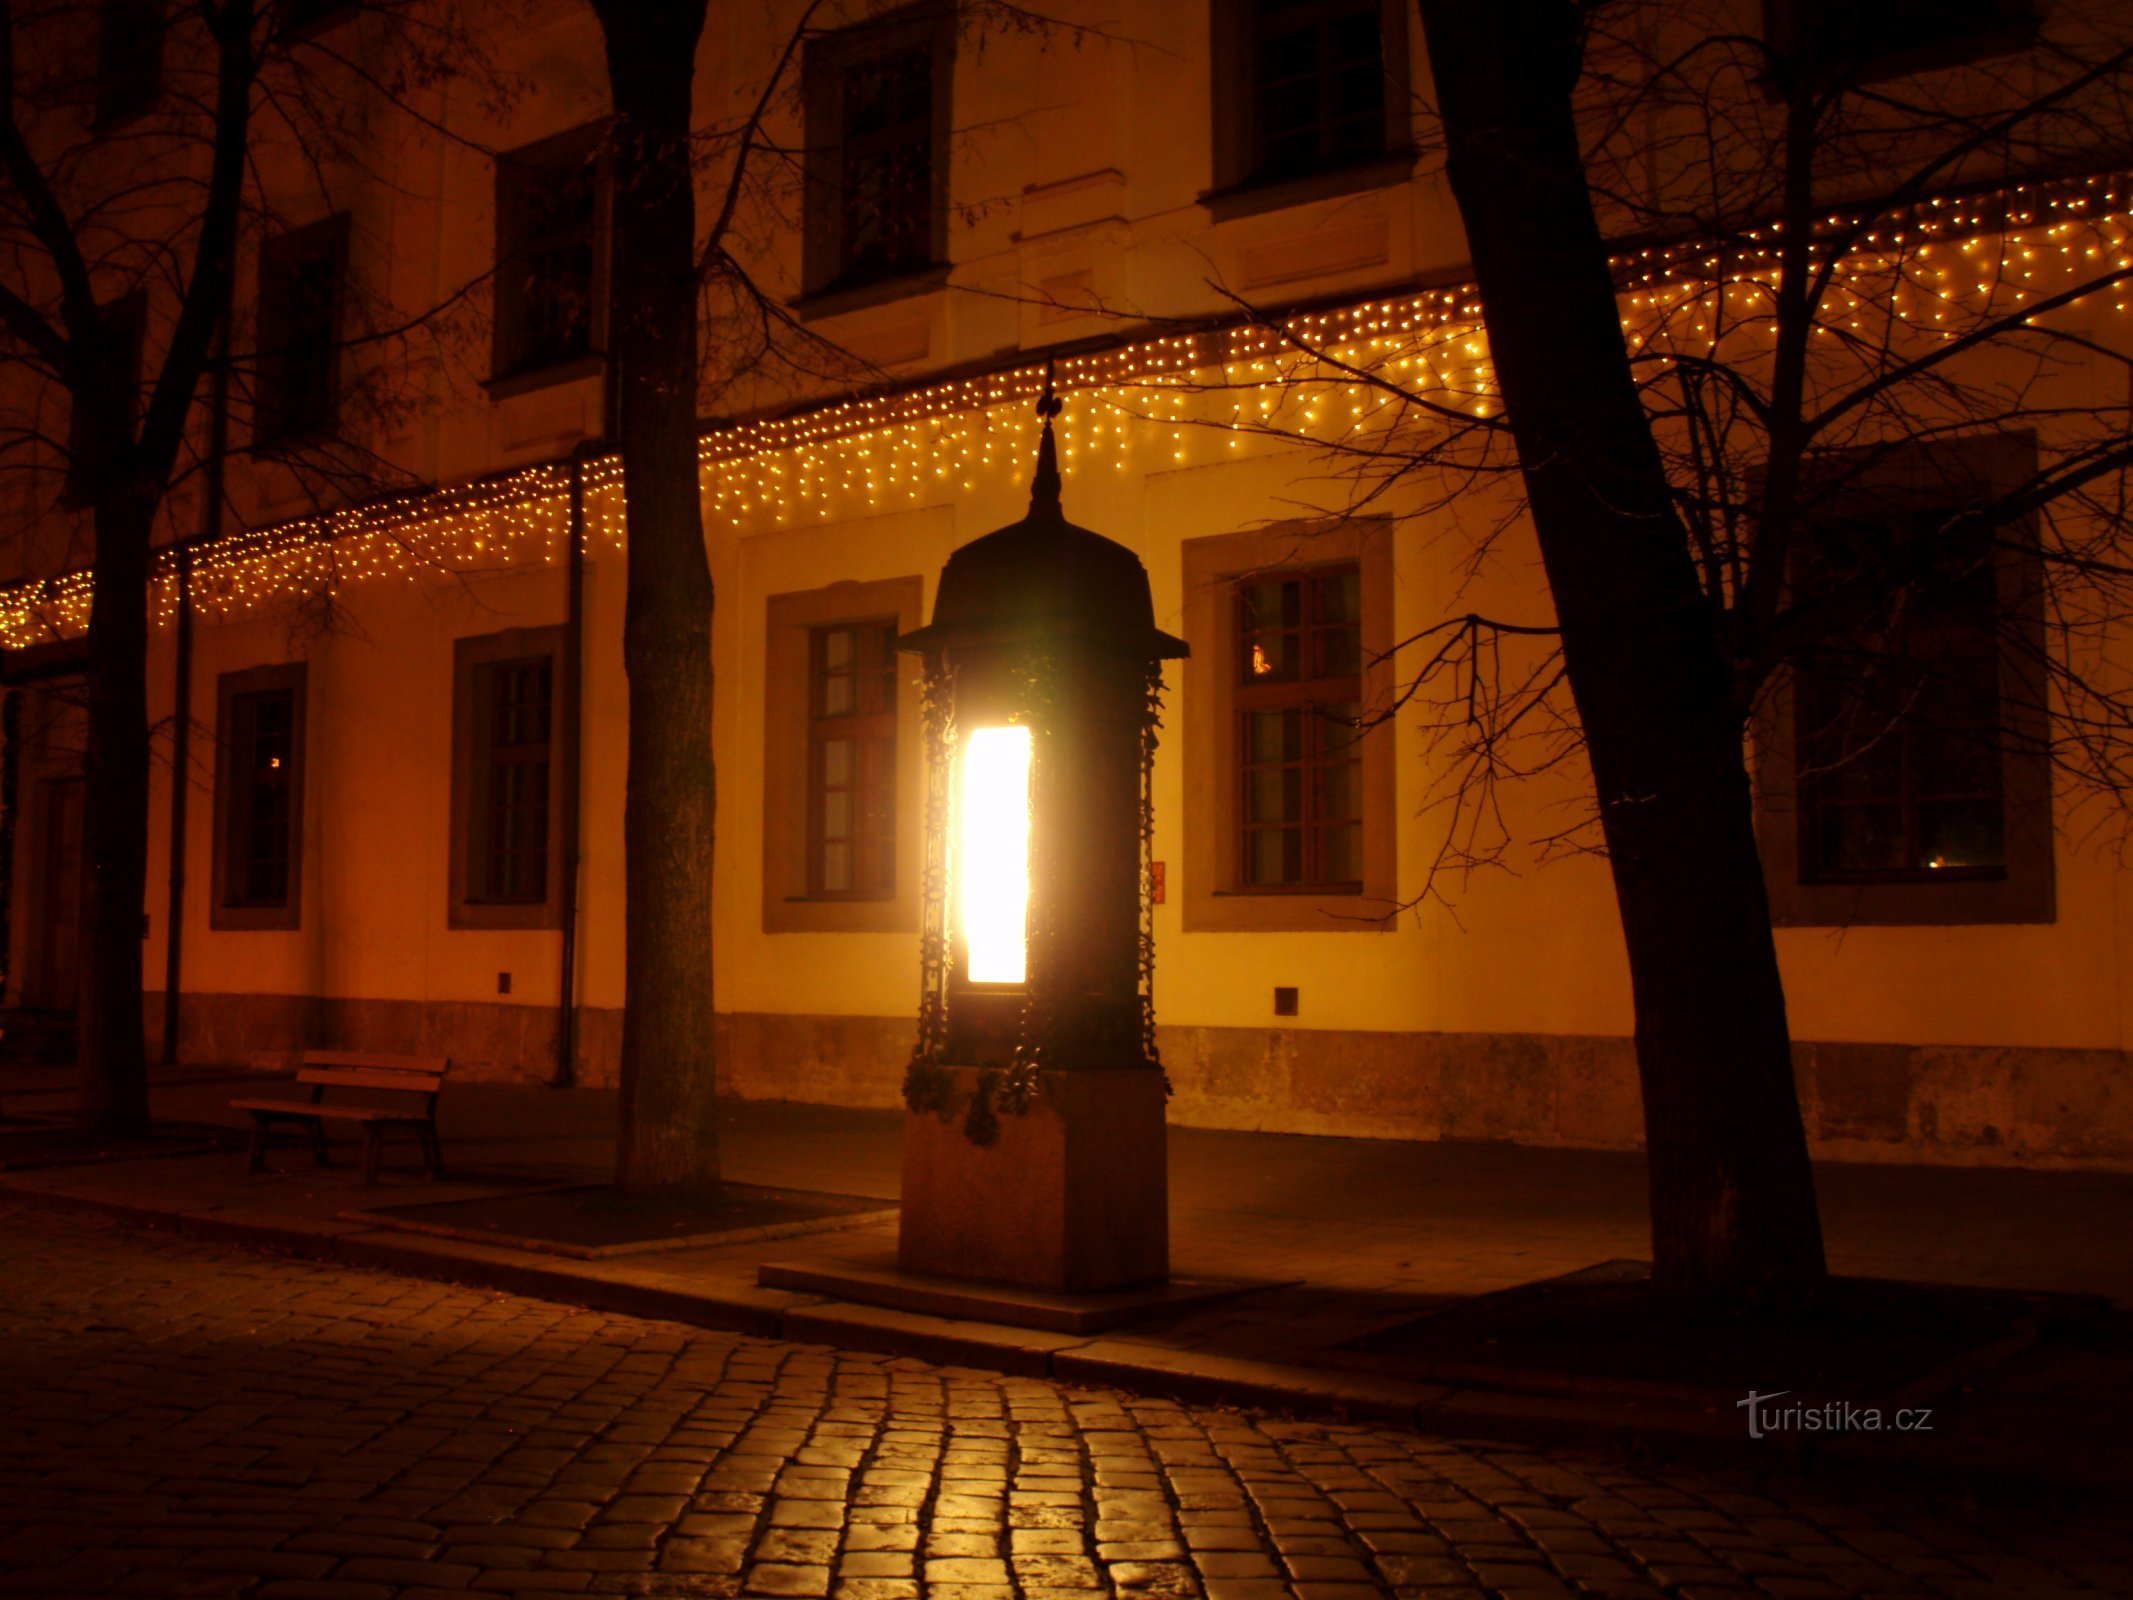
[834, 301]
[1249, 199]
[254, 919]
[530, 381]
[1288, 911]
[470, 915]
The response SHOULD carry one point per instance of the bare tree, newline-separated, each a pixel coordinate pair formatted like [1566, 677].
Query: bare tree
[131, 156]
[697, 324]
[1792, 354]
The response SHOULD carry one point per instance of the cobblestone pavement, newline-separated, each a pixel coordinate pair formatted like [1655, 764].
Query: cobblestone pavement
[182, 1419]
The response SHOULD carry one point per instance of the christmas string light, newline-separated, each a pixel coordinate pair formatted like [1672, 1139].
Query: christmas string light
[1174, 398]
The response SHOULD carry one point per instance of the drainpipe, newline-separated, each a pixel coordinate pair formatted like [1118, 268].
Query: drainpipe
[573, 697]
[218, 440]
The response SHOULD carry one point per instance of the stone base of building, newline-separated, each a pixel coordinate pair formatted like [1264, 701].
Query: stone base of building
[1074, 1194]
[1963, 1105]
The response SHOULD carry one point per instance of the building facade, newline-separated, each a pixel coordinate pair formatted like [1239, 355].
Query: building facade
[383, 750]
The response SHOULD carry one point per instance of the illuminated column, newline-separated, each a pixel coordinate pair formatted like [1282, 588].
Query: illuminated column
[1033, 1152]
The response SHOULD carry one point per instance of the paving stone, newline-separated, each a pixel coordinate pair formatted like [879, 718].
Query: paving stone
[321, 1433]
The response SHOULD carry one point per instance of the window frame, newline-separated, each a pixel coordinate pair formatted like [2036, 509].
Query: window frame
[227, 913]
[1215, 896]
[509, 369]
[791, 904]
[474, 661]
[1241, 183]
[271, 429]
[826, 274]
[1895, 481]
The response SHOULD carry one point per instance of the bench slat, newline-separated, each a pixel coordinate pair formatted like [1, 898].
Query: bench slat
[408, 1082]
[304, 1108]
[383, 1060]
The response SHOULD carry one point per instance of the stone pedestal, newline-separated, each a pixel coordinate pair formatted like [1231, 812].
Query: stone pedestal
[1074, 1196]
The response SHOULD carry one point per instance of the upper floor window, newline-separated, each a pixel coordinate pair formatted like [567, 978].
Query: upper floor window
[551, 260]
[1842, 40]
[1304, 87]
[302, 281]
[1904, 761]
[259, 788]
[509, 723]
[878, 102]
[129, 57]
[851, 784]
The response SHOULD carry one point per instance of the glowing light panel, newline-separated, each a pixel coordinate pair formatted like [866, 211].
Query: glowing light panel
[992, 854]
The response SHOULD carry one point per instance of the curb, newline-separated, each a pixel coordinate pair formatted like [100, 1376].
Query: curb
[1471, 1414]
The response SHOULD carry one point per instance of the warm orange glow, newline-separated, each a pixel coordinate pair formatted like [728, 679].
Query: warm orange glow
[992, 854]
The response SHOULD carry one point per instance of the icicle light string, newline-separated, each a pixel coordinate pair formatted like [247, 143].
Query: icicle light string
[1937, 271]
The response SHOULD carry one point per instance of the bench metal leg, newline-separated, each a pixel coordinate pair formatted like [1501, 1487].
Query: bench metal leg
[258, 1157]
[432, 1153]
[373, 1144]
[318, 1142]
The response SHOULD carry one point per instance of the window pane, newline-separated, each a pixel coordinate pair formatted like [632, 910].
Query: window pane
[836, 868]
[1275, 856]
[837, 762]
[1340, 596]
[1340, 731]
[1340, 792]
[1961, 833]
[837, 814]
[1277, 795]
[1276, 736]
[1862, 838]
[1340, 858]
[837, 699]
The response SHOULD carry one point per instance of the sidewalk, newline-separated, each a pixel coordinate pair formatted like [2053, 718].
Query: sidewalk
[1370, 1232]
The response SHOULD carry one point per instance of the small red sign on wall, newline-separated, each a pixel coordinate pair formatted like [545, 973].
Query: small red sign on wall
[1155, 882]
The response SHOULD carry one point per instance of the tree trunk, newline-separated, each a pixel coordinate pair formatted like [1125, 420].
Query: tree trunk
[1732, 1193]
[669, 1136]
[113, 1058]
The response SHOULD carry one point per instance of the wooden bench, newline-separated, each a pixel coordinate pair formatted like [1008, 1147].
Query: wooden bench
[400, 1093]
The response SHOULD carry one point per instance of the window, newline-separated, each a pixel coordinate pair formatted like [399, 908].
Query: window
[1913, 740]
[1306, 87]
[1289, 799]
[126, 323]
[302, 276]
[129, 58]
[510, 723]
[551, 261]
[1898, 735]
[851, 760]
[1842, 40]
[259, 797]
[840, 809]
[1299, 737]
[877, 99]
